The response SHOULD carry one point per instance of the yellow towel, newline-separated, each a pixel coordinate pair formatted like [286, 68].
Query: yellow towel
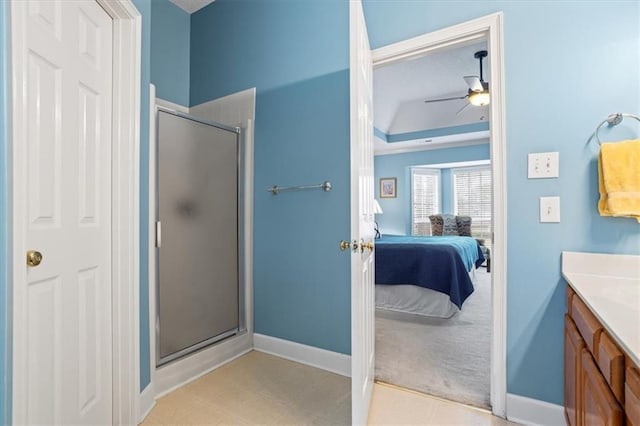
[619, 179]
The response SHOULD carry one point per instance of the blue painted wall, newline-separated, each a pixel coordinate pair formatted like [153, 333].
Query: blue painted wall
[5, 346]
[296, 55]
[144, 7]
[396, 216]
[170, 48]
[561, 117]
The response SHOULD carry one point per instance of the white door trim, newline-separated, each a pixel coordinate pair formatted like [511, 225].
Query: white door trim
[127, 30]
[490, 27]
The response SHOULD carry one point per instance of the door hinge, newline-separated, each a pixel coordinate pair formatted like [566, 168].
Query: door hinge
[158, 234]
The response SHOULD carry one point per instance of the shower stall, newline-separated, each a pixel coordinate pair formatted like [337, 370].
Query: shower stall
[198, 234]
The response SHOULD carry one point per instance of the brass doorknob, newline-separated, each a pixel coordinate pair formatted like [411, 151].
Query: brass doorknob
[345, 245]
[34, 258]
[368, 245]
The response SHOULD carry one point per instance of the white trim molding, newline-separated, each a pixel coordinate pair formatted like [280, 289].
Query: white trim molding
[490, 28]
[127, 48]
[528, 411]
[309, 355]
[147, 402]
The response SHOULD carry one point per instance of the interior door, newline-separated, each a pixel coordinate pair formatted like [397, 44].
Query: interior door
[62, 89]
[362, 222]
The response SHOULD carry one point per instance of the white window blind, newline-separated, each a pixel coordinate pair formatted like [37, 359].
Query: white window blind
[425, 199]
[472, 197]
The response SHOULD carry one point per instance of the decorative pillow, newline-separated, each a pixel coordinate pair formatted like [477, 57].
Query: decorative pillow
[436, 224]
[464, 225]
[449, 225]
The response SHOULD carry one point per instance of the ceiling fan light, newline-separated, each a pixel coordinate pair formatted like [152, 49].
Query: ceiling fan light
[480, 98]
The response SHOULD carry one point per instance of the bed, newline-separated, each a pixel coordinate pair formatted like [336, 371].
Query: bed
[430, 276]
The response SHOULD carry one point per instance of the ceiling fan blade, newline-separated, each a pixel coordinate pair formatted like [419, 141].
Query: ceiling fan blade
[445, 99]
[473, 82]
[463, 108]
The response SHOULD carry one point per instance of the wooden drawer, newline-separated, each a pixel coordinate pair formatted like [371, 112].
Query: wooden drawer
[611, 363]
[632, 396]
[587, 323]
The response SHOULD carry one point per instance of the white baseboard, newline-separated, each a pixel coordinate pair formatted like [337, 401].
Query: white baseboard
[147, 402]
[176, 374]
[528, 411]
[320, 358]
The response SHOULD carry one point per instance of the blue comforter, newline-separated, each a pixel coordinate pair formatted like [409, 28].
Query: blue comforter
[438, 263]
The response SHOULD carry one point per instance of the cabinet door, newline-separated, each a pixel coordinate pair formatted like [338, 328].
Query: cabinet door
[573, 345]
[597, 402]
[632, 396]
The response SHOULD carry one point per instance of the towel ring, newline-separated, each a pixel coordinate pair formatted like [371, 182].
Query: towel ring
[613, 120]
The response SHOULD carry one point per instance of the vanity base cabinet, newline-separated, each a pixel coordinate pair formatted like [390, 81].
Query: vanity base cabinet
[598, 390]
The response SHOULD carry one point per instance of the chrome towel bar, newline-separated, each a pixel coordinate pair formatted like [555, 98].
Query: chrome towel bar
[275, 189]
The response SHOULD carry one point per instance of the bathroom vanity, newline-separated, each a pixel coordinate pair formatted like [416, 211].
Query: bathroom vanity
[602, 339]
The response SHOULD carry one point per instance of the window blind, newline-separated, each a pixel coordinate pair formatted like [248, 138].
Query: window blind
[472, 197]
[425, 196]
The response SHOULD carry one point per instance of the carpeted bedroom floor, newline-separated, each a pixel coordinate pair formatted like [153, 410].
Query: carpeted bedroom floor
[449, 358]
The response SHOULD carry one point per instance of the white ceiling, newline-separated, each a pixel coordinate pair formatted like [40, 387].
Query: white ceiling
[400, 89]
[191, 5]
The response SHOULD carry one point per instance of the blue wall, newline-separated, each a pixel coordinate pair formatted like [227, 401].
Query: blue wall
[296, 55]
[170, 48]
[5, 347]
[144, 7]
[396, 216]
[598, 39]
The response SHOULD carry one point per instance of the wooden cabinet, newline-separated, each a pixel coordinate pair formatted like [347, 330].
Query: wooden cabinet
[597, 404]
[632, 396]
[598, 390]
[573, 345]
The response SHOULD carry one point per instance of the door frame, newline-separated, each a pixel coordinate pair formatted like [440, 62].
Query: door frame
[491, 28]
[125, 202]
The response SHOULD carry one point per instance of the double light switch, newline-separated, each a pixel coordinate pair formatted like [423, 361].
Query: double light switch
[545, 165]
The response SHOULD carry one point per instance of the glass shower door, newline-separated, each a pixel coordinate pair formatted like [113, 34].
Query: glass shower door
[198, 279]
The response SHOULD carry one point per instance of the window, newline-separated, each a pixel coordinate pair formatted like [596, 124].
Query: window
[425, 199]
[472, 197]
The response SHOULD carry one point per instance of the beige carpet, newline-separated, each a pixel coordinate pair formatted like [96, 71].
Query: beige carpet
[449, 358]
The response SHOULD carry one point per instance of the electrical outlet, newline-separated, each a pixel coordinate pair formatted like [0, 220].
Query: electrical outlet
[544, 165]
[549, 209]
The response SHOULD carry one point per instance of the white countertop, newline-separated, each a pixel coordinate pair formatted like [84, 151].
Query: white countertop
[610, 286]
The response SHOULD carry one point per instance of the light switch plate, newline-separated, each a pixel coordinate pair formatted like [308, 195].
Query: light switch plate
[543, 165]
[549, 209]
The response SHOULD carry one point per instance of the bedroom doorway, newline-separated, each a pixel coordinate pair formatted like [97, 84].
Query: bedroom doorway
[453, 127]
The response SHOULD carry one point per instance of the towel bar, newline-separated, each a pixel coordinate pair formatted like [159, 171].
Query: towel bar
[613, 120]
[275, 189]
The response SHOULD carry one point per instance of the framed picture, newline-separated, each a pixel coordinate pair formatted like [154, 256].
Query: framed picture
[388, 188]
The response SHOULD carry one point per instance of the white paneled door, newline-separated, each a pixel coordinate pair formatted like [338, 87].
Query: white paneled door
[362, 222]
[62, 88]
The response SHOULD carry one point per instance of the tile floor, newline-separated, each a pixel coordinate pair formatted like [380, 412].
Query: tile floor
[262, 389]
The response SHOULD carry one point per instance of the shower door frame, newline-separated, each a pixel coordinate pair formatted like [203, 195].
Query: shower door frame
[241, 162]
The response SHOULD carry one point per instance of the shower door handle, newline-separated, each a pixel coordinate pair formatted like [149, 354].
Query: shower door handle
[158, 234]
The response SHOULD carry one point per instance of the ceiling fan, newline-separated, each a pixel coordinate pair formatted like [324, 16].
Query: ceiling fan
[478, 93]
